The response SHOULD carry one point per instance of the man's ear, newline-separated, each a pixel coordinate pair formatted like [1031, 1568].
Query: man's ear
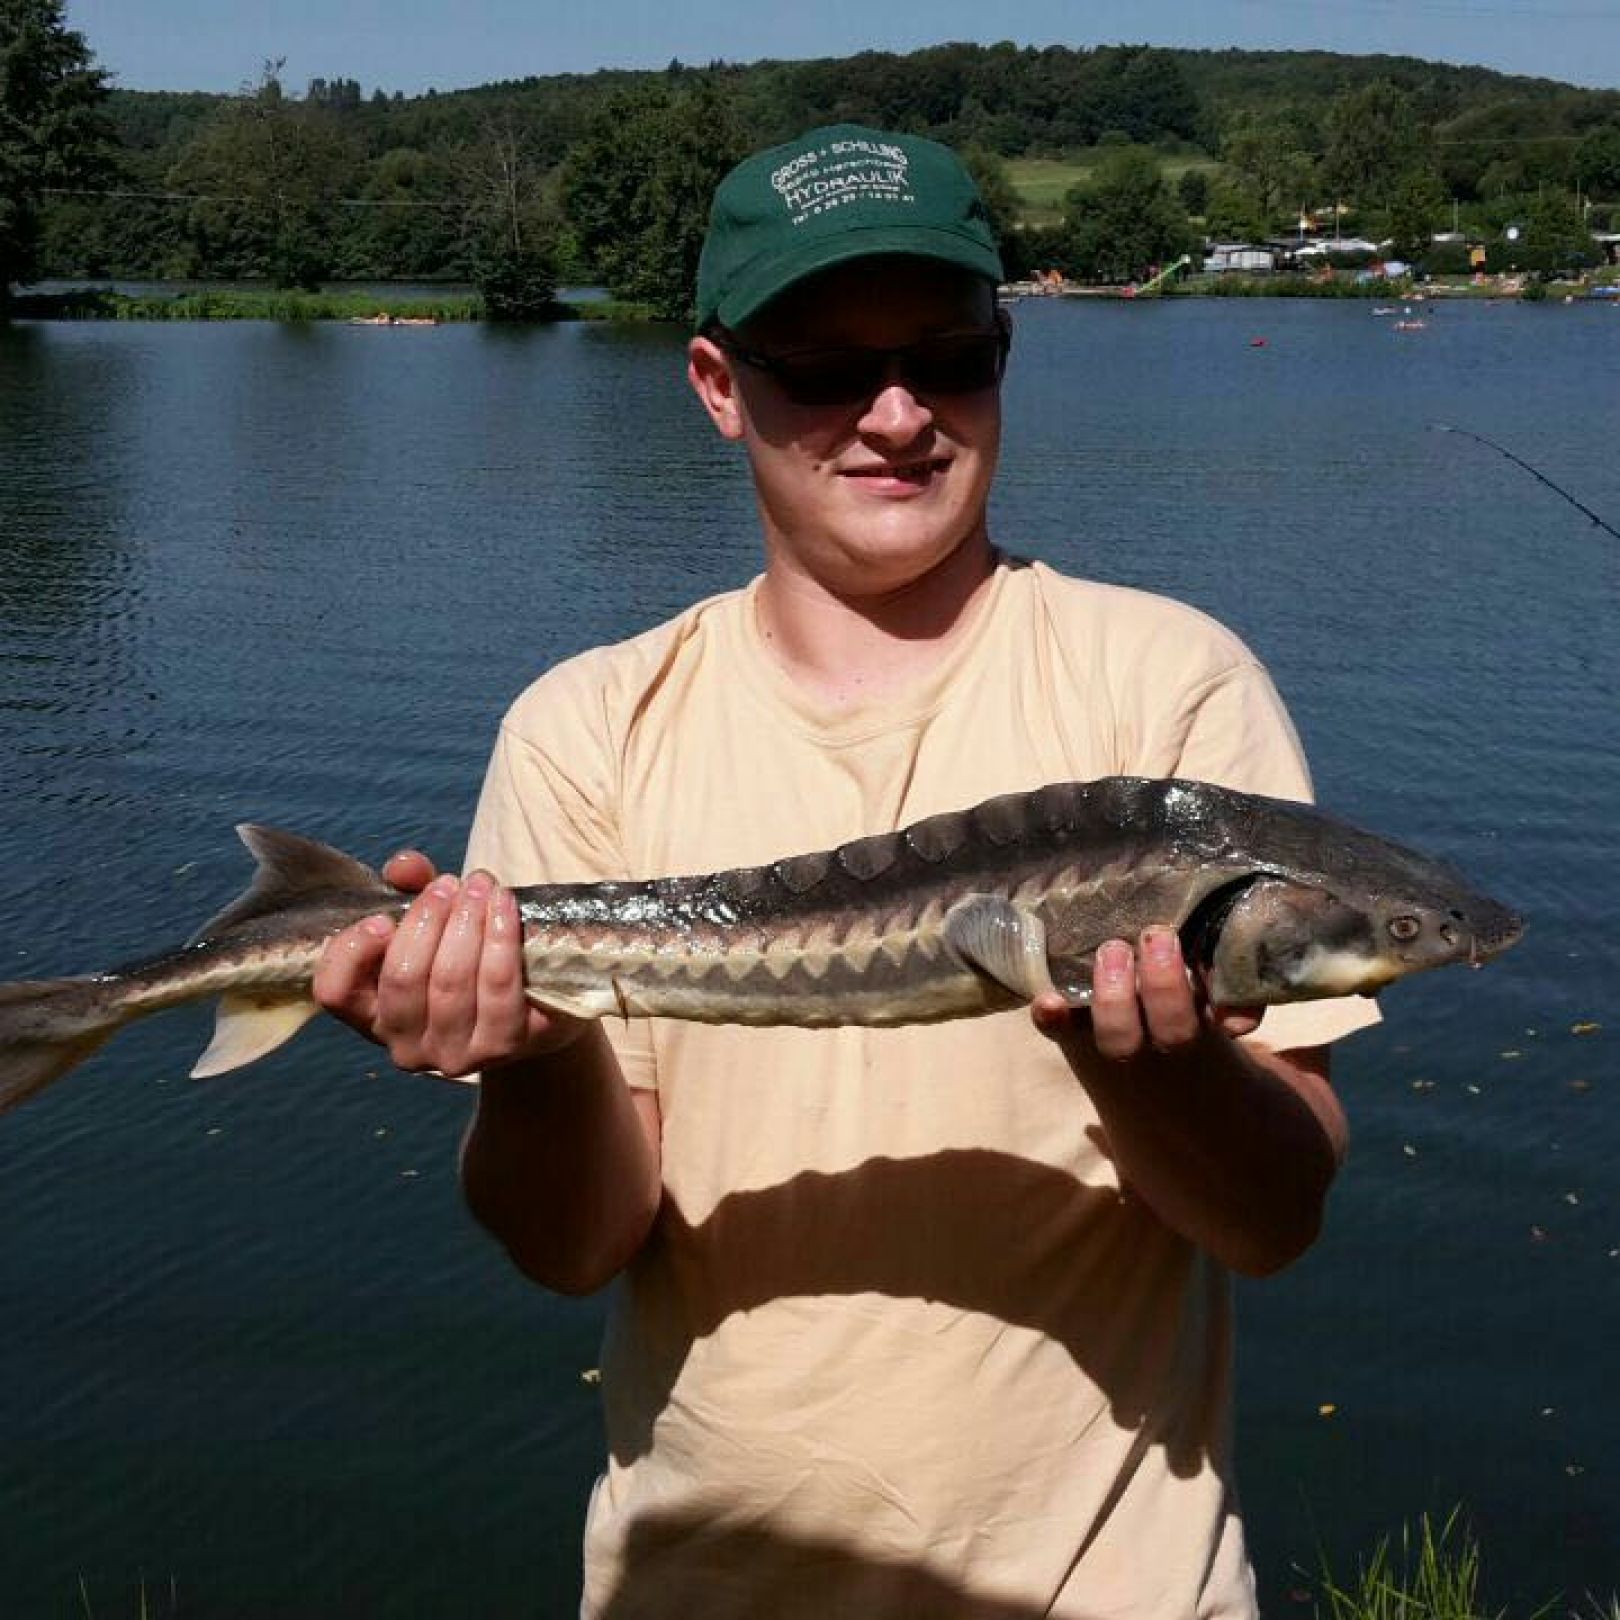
[710, 374]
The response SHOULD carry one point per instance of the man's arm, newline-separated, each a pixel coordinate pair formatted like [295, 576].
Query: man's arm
[1234, 1146]
[561, 1161]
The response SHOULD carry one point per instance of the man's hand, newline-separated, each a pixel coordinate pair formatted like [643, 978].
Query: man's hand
[1142, 1001]
[1232, 1145]
[443, 988]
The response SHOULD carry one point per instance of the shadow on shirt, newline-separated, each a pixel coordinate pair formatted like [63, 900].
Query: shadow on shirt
[1139, 1309]
[680, 1567]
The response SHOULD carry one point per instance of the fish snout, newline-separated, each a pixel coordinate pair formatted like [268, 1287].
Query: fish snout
[1472, 930]
[1494, 928]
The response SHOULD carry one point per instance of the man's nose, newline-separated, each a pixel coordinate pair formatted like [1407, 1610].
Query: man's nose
[895, 411]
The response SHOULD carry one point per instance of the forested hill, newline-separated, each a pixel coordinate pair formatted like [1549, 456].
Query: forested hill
[1008, 99]
[348, 180]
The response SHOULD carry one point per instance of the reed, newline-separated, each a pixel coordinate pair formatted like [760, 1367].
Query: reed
[1432, 1572]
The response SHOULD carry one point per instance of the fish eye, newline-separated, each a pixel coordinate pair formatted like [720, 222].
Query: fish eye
[1404, 928]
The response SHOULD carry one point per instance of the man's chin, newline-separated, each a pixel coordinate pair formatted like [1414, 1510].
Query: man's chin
[876, 569]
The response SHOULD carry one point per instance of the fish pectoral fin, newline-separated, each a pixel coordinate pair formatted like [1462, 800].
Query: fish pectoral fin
[583, 1004]
[1002, 942]
[248, 1026]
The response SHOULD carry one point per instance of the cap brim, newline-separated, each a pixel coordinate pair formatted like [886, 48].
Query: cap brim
[768, 281]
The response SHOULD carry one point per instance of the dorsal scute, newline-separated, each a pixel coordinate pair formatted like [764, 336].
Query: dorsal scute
[290, 868]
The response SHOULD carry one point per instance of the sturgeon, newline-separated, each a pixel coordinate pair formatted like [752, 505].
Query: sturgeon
[964, 913]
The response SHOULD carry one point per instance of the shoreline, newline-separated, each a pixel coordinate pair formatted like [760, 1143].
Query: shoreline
[1402, 290]
[234, 303]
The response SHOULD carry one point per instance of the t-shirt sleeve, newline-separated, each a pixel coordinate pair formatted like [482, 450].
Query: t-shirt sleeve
[547, 814]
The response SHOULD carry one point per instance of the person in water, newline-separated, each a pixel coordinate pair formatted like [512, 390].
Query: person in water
[929, 1320]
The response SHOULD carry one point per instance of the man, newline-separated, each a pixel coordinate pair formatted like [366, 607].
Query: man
[929, 1321]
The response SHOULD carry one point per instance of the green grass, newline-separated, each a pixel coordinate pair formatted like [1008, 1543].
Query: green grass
[1236, 286]
[1043, 183]
[1432, 1573]
[146, 1607]
[102, 304]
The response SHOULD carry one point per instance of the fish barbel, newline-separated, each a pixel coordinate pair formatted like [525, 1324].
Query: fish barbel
[964, 913]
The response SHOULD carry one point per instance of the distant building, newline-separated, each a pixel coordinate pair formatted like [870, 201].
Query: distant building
[1244, 257]
[1357, 246]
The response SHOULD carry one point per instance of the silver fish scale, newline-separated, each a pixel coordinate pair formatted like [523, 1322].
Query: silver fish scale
[956, 850]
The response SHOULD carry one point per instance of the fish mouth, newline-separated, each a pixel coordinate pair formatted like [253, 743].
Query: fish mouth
[1492, 934]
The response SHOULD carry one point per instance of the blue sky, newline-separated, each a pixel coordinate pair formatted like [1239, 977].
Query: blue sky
[411, 44]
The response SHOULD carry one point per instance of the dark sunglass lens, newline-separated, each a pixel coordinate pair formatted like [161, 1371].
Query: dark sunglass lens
[961, 365]
[836, 377]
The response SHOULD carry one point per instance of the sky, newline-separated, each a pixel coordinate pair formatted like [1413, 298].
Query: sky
[411, 45]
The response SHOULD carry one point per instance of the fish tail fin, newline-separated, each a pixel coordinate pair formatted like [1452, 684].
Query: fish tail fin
[47, 1026]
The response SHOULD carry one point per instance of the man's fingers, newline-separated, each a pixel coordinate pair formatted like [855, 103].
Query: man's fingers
[1116, 1015]
[410, 870]
[402, 989]
[1053, 1016]
[346, 976]
[1169, 1007]
[1235, 1021]
[503, 1009]
[452, 994]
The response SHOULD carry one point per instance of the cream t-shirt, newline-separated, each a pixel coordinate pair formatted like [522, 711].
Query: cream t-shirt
[899, 1343]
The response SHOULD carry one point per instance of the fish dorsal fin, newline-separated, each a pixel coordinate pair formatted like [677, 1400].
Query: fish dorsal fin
[1002, 942]
[290, 868]
[248, 1026]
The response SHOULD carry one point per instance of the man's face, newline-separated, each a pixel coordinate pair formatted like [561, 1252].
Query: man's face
[864, 495]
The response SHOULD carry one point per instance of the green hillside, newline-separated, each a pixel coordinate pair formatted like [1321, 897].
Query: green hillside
[343, 181]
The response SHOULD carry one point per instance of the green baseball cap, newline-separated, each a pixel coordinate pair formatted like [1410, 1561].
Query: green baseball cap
[841, 192]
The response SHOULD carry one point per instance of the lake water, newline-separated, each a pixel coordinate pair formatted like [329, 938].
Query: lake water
[257, 1361]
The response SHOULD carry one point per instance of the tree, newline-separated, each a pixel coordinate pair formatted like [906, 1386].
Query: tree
[1192, 191]
[1555, 231]
[1125, 220]
[1373, 141]
[1267, 151]
[52, 127]
[1159, 97]
[636, 191]
[1597, 163]
[268, 173]
[515, 251]
[412, 225]
[1416, 206]
[1001, 201]
[1231, 214]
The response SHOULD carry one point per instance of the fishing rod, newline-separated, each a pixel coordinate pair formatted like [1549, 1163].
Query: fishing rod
[1519, 461]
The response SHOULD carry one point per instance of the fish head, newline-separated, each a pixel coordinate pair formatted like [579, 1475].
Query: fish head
[1278, 939]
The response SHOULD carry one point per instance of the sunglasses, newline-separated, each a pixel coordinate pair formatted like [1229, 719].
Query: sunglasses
[949, 363]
